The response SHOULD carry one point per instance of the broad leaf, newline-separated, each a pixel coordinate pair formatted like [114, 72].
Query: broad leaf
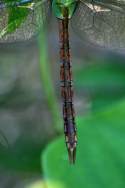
[100, 159]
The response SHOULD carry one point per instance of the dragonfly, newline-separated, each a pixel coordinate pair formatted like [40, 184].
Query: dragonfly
[98, 22]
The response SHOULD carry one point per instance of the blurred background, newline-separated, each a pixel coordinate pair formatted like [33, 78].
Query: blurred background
[31, 115]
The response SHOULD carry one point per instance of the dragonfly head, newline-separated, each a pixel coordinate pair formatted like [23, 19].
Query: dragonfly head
[59, 7]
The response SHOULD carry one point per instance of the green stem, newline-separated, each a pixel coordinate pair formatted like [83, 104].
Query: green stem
[47, 83]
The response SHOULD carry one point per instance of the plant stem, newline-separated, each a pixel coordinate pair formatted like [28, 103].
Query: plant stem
[47, 83]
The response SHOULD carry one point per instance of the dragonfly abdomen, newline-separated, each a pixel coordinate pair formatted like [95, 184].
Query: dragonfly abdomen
[67, 90]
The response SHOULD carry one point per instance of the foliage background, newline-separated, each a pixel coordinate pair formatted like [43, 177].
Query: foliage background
[30, 115]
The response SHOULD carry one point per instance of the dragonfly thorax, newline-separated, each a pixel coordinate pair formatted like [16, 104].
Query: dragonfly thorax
[59, 8]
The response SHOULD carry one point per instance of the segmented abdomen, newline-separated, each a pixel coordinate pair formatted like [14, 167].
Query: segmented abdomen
[67, 90]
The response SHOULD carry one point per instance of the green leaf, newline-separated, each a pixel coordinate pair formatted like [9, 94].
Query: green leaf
[16, 16]
[100, 159]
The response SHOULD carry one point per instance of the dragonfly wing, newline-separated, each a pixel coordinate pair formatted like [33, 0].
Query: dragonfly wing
[100, 23]
[19, 23]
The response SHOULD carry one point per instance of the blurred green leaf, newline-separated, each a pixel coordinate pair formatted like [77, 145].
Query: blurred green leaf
[104, 83]
[23, 156]
[37, 184]
[100, 159]
[99, 103]
[100, 77]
